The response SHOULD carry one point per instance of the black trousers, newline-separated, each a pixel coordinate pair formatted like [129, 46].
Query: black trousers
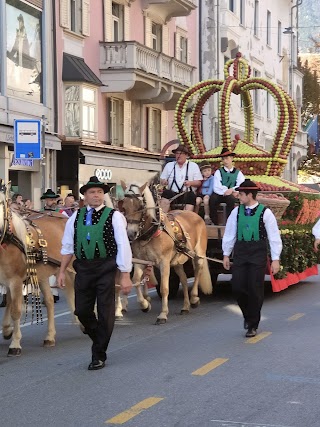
[95, 282]
[215, 200]
[248, 271]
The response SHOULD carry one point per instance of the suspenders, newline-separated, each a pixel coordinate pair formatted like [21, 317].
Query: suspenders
[174, 178]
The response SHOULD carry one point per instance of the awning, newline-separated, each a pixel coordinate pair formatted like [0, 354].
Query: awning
[74, 69]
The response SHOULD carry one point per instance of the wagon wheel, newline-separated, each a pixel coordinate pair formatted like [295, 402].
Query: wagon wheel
[174, 283]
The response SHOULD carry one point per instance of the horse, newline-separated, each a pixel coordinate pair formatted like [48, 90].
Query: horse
[167, 240]
[17, 236]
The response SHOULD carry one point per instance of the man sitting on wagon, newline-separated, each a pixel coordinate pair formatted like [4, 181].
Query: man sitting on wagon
[181, 176]
[226, 179]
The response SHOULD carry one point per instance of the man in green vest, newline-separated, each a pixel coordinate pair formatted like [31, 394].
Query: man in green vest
[248, 228]
[97, 237]
[225, 180]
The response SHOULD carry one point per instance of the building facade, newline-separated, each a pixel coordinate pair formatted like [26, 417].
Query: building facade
[122, 65]
[27, 92]
[265, 33]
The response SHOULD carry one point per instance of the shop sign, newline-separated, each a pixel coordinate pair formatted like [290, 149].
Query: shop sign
[22, 162]
[103, 174]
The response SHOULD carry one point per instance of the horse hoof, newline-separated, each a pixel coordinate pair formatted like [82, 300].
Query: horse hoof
[184, 312]
[195, 305]
[124, 310]
[160, 321]
[146, 310]
[7, 337]
[49, 343]
[118, 318]
[14, 352]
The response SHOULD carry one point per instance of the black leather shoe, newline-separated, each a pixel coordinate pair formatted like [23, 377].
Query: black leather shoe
[56, 298]
[96, 364]
[245, 324]
[252, 332]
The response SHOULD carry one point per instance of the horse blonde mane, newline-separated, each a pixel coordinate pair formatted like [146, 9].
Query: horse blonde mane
[150, 203]
[19, 225]
[108, 201]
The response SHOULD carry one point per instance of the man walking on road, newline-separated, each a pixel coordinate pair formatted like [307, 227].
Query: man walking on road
[97, 236]
[247, 230]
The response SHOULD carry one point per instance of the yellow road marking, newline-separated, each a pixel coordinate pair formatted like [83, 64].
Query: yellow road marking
[209, 366]
[258, 337]
[125, 416]
[295, 317]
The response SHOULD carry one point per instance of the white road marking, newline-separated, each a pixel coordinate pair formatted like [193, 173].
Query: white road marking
[227, 423]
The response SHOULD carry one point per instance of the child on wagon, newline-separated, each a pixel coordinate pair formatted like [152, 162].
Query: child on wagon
[206, 190]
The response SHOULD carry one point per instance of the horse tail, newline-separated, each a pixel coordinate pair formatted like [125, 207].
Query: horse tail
[205, 278]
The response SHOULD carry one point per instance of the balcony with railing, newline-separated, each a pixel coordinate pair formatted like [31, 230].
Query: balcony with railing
[129, 65]
[170, 8]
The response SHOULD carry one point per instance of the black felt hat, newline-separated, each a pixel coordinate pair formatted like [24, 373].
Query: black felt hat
[247, 185]
[49, 194]
[181, 148]
[226, 152]
[94, 183]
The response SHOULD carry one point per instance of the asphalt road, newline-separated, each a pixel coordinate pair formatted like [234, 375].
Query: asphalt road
[197, 370]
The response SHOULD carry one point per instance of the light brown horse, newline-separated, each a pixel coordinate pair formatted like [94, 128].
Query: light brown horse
[13, 267]
[155, 239]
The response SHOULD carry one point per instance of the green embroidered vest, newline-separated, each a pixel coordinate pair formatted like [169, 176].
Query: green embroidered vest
[229, 179]
[88, 237]
[248, 226]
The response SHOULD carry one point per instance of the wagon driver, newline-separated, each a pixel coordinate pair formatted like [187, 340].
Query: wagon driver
[96, 235]
[181, 176]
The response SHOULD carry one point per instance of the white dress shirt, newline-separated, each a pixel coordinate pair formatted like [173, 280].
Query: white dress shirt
[194, 174]
[270, 223]
[220, 189]
[316, 229]
[119, 223]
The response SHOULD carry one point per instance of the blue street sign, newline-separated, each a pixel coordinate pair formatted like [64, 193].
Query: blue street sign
[27, 139]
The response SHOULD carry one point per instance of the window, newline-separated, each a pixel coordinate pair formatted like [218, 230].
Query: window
[75, 16]
[183, 49]
[156, 35]
[268, 28]
[23, 35]
[116, 122]
[232, 5]
[256, 94]
[154, 130]
[80, 111]
[242, 12]
[256, 18]
[118, 22]
[279, 38]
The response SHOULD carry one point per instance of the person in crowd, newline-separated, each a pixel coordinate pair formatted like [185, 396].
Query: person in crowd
[181, 176]
[97, 237]
[69, 205]
[50, 198]
[248, 228]
[225, 180]
[17, 202]
[28, 204]
[316, 233]
[205, 191]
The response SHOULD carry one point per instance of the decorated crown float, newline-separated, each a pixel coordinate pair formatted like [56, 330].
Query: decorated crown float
[264, 167]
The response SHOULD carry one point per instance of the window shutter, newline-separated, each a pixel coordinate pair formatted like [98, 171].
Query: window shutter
[148, 31]
[108, 30]
[127, 35]
[165, 39]
[127, 123]
[86, 17]
[189, 61]
[177, 45]
[164, 128]
[65, 14]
